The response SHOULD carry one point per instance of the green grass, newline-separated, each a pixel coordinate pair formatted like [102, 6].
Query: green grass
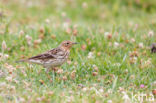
[93, 20]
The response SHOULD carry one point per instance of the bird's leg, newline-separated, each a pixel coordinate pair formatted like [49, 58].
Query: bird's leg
[53, 70]
[47, 72]
[53, 73]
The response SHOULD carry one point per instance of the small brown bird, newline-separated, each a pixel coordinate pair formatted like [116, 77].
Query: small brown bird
[52, 58]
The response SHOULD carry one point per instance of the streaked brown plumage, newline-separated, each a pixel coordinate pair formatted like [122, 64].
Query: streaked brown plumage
[54, 57]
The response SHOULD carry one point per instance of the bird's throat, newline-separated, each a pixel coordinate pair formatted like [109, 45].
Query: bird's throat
[65, 49]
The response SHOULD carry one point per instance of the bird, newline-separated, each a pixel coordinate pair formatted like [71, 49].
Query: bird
[52, 58]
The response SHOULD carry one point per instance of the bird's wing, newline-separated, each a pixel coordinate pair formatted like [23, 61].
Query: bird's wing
[57, 53]
[51, 54]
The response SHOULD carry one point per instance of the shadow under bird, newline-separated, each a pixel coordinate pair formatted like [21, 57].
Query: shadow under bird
[52, 58]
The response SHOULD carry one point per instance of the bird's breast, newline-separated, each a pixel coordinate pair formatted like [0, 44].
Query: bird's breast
[59, 61]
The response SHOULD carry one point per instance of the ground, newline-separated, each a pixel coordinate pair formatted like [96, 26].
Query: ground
[112, 63]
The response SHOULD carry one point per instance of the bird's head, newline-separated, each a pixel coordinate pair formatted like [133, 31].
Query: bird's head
[67, 45]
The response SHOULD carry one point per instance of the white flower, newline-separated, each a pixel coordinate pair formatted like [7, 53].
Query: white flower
[141, 45]
[10, 68]
[38, 41]
[69, 99]
[133, 59]
[9, 78]
[3, 56]
[116, 44]
[109, 101]
[12, 87]
[121, 89]
[148, 62]
[154, 83]
[101, 90]
[39, 99]
[3, 84]
[6, 56]
[90, 55]
[29, 38]
[84, 89]
[135, 27]
[1, 73]
[4, 46]
[66, 25]
[106, 34]
[21, 100]
[150, 33]
[126, 71]
[110, 91]
[132, 40]
[47, 21]
[63, 14]
[96, 91]
[60, 71]
[117, 64]
[21, 33]
[84, 5]
[126, 98]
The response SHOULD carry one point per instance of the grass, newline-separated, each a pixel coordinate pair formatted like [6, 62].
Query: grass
[116, 34]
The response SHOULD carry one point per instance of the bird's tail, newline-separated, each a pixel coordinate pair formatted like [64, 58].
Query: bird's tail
[22, 60]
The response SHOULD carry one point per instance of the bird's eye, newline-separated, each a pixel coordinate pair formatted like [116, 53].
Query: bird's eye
[67, 43]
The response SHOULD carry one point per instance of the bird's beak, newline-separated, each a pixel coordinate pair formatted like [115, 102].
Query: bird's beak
[74, 43]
